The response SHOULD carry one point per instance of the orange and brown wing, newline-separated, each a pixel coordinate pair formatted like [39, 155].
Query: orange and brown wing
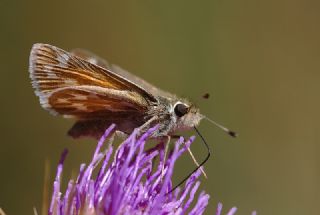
[73, 87]
[94, 59]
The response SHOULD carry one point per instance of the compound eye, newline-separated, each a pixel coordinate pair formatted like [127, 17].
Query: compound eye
[181, 109]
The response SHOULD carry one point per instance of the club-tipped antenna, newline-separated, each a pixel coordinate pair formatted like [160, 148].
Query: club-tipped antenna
[228, 131]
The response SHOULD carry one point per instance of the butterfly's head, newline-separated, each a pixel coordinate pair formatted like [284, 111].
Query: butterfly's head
[187, 115]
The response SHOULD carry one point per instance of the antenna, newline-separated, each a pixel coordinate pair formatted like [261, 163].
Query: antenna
[199, 166]
[228, 131]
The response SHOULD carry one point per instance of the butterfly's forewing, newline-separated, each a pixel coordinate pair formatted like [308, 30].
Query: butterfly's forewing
[94, 59]
[91, 58]
[73, 87]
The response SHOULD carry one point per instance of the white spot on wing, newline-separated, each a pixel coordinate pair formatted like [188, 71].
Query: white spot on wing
[80, 107]
[62, 100]
[80, 97]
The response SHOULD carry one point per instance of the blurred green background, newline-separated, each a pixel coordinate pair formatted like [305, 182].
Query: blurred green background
[259, 60]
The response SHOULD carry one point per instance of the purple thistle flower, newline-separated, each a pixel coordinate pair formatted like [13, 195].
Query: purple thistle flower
[128, 185]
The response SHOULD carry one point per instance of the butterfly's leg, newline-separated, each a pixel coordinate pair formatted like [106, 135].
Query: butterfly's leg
[121, 135]
[196, 162]
[166, 141]
[192, 156]
[147, 124]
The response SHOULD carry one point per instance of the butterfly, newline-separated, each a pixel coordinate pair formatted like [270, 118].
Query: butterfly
[81, 85]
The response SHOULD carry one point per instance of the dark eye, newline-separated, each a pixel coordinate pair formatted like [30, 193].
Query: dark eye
[181, 109]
